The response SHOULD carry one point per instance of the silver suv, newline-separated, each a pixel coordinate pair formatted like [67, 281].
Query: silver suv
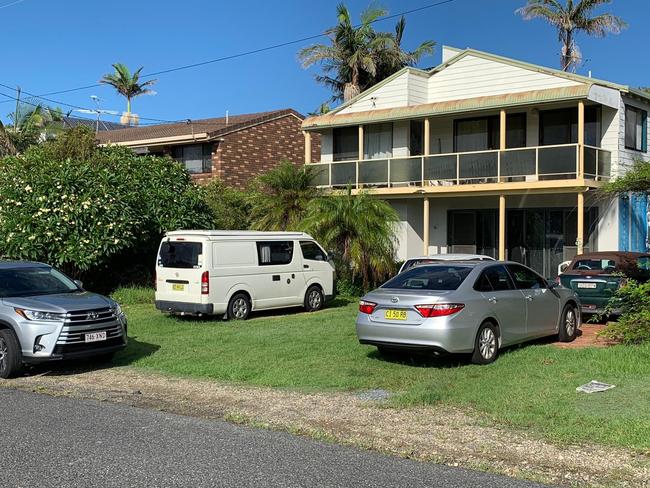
[46, 316]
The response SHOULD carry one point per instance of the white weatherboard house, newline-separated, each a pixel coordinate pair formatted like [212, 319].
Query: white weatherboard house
[485, 154]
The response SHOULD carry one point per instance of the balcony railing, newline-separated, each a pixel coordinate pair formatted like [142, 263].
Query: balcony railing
[524, 164]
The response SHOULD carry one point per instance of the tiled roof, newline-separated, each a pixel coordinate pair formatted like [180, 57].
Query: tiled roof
[213, 127]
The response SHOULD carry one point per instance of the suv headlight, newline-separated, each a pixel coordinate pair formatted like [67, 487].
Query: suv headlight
[42, 316]
[117, 310]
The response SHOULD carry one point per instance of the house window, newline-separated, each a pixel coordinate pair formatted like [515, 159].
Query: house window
[482, 134]
[197, 158]
[378, 141]
[346, 143]
[636, 129]
[561, 126]
[416, 138]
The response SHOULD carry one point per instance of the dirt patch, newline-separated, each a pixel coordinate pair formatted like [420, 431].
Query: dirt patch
[442, 434]
[587, 337]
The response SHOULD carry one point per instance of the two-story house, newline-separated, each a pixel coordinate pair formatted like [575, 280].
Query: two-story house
[233, 148]
[485, 154]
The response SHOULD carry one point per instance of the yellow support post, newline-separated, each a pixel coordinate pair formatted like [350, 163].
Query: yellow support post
[502, 227]
[360, 142]
[581, 140]
[580, 241]
[425, 224]
[502, 130]
[427, 137]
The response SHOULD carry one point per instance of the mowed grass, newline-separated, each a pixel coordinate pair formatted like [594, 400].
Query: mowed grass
[531, 387]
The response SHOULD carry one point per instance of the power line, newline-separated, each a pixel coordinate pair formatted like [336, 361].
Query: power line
[11, 4]
[229, 57]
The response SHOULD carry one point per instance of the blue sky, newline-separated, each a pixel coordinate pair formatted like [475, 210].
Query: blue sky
[55, 45]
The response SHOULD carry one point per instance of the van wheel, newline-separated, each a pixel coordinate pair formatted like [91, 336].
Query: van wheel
[314, 299]
[11, 360]
[486, 344]
[239, 307]
[568, 323]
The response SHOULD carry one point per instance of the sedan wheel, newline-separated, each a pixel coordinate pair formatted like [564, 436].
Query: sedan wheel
[486, 347]
[568, 324]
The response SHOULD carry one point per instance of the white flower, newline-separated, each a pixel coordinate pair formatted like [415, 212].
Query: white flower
[31, 238]
[28, 189]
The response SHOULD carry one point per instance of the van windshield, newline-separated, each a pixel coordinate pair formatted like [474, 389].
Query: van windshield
[174, 254]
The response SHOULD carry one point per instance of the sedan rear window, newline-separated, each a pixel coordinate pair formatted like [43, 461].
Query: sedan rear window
[174, 254]
[430, 278]
[605, 264]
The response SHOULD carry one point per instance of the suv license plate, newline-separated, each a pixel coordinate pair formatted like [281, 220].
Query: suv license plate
[395, 314]
[96, 336]
[591, 286]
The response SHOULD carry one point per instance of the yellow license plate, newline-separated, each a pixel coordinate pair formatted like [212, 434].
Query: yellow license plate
[395, 314]
[178, 287]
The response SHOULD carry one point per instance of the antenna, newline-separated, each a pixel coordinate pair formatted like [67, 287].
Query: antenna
[98, 111]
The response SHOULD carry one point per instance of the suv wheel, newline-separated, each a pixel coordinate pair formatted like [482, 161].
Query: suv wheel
[568, 323]
[239, 307]
[11, 360]
[486, 345]
[314, 299]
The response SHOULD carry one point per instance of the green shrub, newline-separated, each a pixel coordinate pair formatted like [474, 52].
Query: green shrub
[230, 207]
[633, 326]
[78, 206]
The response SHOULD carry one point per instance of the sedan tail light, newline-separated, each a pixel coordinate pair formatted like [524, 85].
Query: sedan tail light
[366, 307]
[205, 283]
[439, 309]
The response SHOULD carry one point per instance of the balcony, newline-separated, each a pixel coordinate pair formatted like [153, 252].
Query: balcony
[527, 164]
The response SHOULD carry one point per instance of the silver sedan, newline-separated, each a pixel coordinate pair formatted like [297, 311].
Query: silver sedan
[466, 307]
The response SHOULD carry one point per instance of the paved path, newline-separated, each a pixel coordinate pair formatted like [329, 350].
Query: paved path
[59, 442]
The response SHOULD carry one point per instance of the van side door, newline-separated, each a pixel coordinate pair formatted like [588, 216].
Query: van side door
[282, 280]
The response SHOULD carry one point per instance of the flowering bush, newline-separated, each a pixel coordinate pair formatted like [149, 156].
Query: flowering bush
[76, 206]
[632, 301]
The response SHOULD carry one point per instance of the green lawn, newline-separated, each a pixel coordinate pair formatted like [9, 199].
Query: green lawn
[527, 387]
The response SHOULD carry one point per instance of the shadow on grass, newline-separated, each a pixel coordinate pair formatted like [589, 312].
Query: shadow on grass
[134, 351]
[420, 360]
[338, 302]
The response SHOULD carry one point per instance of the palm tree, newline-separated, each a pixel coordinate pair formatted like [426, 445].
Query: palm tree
[126, 84]
[570, 19]
[31, 123]
[279, 198]
[357, 57]
[362, 231]
[7, 147]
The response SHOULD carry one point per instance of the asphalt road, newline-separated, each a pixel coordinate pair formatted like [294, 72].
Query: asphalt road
[59, 442]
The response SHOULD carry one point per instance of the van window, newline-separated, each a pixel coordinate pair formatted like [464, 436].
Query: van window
[174, 254]
[275, 252]
[311, 251]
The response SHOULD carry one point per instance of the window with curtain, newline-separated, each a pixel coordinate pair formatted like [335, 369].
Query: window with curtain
[636, 129]
[378, 141]
[346, 143]
[561, 126]
[197, 158]
[482, 134]
[416, 138]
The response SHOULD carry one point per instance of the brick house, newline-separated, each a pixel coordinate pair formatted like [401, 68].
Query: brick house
[235, 148]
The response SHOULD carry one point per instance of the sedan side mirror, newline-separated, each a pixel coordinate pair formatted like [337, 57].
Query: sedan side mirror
[79, 283]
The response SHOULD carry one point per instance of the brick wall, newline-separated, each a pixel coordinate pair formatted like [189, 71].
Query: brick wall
[246, 153]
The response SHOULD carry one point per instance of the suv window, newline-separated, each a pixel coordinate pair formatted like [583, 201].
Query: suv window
[526, 279]
[495, 278]
[275, 252]
[174, 254]
[312, 251]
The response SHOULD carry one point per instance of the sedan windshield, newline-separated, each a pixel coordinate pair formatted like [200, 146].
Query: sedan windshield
[436, 277]
[26, 282]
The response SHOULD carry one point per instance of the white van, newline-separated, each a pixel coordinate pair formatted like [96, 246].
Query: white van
[231, 273]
